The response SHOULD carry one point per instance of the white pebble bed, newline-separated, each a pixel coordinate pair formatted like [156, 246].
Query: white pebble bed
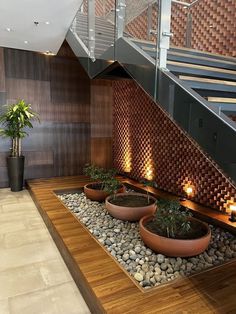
[122, 240]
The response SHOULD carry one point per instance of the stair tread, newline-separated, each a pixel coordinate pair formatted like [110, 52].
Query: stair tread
[182, 54]
[201, 67]
[222, 100]
[184, 49]
[206, 80]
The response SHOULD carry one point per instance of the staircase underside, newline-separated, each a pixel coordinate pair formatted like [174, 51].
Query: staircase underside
[198, 90]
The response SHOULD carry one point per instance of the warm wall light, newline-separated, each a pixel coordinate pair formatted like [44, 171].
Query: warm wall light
[232, 208]
[127, 165]
[149, 172]
[189, 190]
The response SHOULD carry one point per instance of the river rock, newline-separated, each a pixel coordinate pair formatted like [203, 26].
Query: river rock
[138, 277]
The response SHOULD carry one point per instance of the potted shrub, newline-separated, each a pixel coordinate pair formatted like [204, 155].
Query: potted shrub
[14, 120]
[173, 231]
[130, 206]
[105, 184]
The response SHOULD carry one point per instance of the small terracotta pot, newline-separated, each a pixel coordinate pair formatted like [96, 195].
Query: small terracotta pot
[174, 247]
[130, 213]
[98, 195]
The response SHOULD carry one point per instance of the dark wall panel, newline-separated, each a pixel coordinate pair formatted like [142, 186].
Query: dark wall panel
[101, 122]
[26, 65]
[59, 90]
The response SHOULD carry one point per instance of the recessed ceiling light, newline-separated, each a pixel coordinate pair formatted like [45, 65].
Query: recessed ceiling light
[47, 23]
[8, 29]
[49, 53]
[26, 42]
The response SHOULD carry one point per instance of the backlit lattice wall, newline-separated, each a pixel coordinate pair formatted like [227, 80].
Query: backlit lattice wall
[147, 144]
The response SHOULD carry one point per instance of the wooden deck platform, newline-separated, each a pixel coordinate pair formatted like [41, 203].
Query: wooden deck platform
[105, 286]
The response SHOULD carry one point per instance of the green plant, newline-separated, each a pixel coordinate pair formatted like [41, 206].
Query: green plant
[14, 120]
[171, 220]
[105, 177]
[147, 183]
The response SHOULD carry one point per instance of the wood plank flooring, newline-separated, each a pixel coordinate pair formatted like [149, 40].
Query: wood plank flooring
[105, 286]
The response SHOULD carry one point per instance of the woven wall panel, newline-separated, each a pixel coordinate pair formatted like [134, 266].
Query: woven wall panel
[213, 30]
[146, 142]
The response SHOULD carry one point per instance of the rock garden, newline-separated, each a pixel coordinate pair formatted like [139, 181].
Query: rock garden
[149, 267]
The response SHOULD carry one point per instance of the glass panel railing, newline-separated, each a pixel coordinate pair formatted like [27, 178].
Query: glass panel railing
[141, 29]
[80, 23]
[79, 39]
[202, 51]
[104, 28]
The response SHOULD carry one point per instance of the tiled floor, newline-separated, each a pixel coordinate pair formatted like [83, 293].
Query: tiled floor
[33, 276]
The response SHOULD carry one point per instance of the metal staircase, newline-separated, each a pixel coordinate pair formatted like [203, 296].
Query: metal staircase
[197, 89]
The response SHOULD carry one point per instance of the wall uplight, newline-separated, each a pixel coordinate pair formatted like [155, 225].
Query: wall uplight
[127, 159]
[232, 208]
[189, 190]
[149, 171]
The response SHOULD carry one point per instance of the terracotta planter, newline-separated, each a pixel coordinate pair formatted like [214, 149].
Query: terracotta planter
[96, 194]
[174, 247]
[130, 213]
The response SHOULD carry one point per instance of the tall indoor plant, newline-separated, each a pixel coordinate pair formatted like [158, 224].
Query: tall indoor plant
[14, 120]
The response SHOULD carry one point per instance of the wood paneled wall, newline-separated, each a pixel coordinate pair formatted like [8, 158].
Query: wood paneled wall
[101, 122]
[72, 112]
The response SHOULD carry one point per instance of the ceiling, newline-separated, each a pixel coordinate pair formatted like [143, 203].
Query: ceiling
[20, 16]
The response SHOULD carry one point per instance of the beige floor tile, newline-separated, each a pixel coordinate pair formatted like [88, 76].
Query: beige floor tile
[22, 208]
[4, 307]
[54, 272]
[30, 278]
[20, 280]
[33, 276]
[17, 239]
[12, 227]
[27, 254]
[62, 299]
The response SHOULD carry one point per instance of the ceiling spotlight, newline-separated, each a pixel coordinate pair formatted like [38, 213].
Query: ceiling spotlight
[26, 42]
[8, 29]
[47, 23]
[49, 53]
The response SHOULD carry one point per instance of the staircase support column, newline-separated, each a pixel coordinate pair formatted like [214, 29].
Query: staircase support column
[120, 18]
[91, 28]
[164, 34]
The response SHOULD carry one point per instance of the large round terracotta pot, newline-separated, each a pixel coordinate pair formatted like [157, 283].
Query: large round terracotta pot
[174, 247]
[93, 192]
[128, 212]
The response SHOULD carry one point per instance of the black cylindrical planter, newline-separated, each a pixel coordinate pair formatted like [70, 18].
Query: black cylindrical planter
[15, 167]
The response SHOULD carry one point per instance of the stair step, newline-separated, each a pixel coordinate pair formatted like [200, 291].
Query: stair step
[209, 84]
[201, 70]
[188, 51]
[186, 58]
[222, 100]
